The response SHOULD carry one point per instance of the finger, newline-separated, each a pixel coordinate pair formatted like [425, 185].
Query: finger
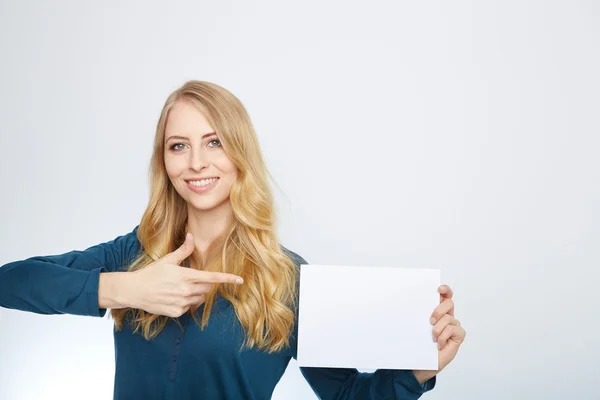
[445, 307]
[176, 311]
[439, 327]
[193, 289]
[183, 252]
[445, 292]
[195, 275]
[457, 337]
[196, 300]
[445, 335]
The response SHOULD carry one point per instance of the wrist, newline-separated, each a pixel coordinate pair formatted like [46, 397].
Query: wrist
[424, 375]
[112, 290]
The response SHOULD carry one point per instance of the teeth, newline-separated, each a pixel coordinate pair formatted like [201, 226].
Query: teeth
[202, 182]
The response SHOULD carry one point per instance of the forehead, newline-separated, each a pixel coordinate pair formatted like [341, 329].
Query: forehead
[186, 119]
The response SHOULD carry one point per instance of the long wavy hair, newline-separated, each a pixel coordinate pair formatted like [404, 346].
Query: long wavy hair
[265, 303]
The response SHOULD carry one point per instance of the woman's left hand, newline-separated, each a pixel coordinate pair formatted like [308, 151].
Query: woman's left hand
[447, 330]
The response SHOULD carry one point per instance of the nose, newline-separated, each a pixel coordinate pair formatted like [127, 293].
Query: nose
[197, 160]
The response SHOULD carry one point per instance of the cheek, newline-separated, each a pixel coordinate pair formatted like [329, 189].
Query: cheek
[172, 166]
[224, 164]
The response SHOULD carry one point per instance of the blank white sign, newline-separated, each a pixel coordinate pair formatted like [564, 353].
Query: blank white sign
[367, 317]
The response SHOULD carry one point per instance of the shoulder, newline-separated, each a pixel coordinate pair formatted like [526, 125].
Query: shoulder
[126, 247]
[295, 257]
[134, 242]
[131, 238]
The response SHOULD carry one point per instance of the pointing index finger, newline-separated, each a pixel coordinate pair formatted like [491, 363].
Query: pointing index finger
[213, 277]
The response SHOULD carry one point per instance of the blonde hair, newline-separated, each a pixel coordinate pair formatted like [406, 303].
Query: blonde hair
[265, 303]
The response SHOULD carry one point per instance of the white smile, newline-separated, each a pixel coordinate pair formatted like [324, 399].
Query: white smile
[202, 182]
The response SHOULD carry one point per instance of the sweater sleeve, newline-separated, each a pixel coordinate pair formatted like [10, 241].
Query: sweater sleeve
[350, 384]
[65, 283]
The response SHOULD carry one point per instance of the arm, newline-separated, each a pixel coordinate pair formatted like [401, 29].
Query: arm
[66, 283]
[111, 290]
[346, 383]
[349, 383]
[424, 375]
[397, 384]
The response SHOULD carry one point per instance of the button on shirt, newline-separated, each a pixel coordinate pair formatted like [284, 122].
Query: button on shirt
[183, 361]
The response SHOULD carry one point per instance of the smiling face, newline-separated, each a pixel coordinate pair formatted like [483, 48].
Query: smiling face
[195, 161]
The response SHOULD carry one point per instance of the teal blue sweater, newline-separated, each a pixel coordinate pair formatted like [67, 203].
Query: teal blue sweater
[182, 362]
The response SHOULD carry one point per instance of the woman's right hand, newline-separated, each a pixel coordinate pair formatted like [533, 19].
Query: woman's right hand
[165, 288]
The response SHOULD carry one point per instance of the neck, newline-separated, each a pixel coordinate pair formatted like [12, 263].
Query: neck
[206, 226]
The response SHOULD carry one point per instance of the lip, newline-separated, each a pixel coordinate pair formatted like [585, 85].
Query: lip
[201, 189]
[200, 178]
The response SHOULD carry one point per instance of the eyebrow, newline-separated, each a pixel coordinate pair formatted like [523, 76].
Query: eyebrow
[185, 138]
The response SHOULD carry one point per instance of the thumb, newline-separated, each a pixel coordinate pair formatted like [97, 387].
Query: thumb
[183, 252]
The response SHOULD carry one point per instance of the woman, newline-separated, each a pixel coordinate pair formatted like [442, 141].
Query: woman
[225, 326]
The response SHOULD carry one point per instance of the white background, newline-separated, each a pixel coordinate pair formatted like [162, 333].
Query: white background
[455, 135]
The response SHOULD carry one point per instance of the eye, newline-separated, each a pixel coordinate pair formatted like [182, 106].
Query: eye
[215, 140]
[173, 146]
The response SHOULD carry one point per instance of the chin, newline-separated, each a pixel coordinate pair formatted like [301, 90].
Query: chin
[205, 205]
[202, 206]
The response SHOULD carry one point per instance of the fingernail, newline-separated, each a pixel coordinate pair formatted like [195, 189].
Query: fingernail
[432, 320]
[239, 281]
